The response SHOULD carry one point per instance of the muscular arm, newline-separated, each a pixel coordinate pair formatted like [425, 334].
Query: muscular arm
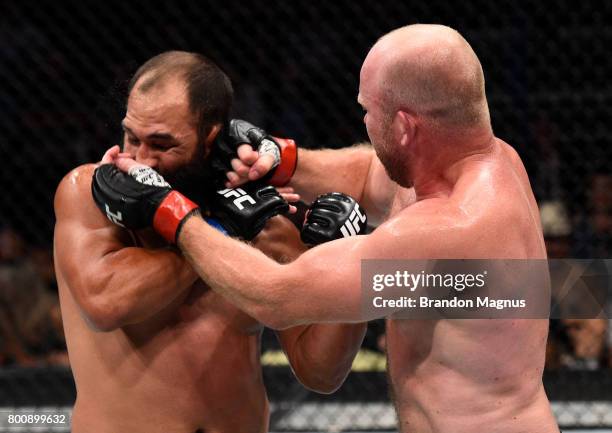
[113, 284]
[355, 171]
[320, 355]
[346, 170]
[322, 285]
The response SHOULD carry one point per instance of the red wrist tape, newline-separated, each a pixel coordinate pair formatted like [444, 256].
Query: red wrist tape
[170, 213]
[284, 171]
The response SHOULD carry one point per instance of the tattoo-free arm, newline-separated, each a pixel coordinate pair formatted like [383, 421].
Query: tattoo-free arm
[355, 171]
[113, 284]
[321, 355]
[322, 285]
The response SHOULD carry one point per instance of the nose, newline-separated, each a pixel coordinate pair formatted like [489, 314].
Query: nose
[145, 156]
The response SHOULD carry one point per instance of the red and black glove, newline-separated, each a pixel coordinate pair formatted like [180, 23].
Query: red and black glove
[237, 132]
[140, 199]
[143, 199]
[333, 216]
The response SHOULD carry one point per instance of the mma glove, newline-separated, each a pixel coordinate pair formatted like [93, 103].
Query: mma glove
[237, 132]
[142, 198]
[333, 216]
[244, 211]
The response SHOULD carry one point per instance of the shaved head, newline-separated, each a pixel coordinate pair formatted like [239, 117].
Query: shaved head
[431, 71]
[422, 88]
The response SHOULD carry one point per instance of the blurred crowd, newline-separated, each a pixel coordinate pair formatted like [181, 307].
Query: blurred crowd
[31, 331]
[580, 343]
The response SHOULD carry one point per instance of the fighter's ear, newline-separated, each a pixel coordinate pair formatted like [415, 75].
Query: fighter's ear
[405, 126]
[213, 132]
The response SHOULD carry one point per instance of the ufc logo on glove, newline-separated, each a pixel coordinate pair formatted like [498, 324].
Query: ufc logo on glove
[353, 225]
[240, 194]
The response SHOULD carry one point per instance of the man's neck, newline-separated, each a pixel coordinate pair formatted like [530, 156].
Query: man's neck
[435, 175]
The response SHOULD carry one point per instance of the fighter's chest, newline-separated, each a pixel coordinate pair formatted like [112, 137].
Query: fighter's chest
[203, 308]
[410, 340]
[198, 310]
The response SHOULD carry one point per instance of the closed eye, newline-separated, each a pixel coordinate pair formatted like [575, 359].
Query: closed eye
[161, 147]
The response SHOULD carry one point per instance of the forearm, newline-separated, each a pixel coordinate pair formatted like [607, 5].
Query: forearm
[248, 278]
[342, 170]
[323, 354]
[322, 285]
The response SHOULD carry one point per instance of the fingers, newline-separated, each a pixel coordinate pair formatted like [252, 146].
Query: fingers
[125, 163]
[261, 167]
[288, 193]
[110, 155]
[247, 154]
[291, 197]
[240, 168]
[248, 166]
[285, 189]
[234, 180]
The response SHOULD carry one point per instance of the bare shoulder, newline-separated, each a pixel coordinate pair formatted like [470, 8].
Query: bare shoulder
[515, 159]
[73, 196]
[75, 182]
[80, 226]
[428, 228]
[510, 151]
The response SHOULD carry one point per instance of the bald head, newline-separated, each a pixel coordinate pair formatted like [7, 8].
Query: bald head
[431, 71]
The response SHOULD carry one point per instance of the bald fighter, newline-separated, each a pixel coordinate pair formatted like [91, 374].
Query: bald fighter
[442, 186]
[151, 347]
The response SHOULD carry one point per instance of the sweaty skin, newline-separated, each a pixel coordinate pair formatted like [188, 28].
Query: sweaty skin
[446, 375]
[177, 357]
[152, 348]
[471, 198]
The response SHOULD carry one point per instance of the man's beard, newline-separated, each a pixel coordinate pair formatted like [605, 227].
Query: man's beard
[195, 179]
[396, 167]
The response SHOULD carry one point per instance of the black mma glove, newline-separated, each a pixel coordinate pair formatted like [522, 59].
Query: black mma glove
[333, 216]
[143, 198]
[244, 211]
[140, 199]
[237, 132]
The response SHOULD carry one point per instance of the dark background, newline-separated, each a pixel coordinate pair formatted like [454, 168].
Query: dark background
[295, 66]
[64, 68]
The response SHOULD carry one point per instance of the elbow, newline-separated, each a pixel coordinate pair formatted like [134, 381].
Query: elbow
[325, 387]
[323, 382]
[323, 376]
